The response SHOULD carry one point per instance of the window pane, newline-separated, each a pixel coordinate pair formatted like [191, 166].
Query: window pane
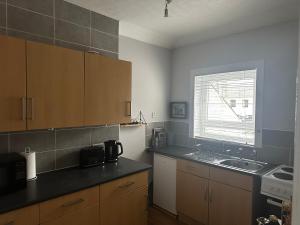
[224, 106]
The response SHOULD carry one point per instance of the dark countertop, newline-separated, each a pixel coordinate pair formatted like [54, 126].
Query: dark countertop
[206, 157]
[54, 184]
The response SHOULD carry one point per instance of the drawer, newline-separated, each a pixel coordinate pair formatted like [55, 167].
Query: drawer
[196, 169]
[231, 178]
[53, 209]
[123, 185]
[87, 216]
[25, 216]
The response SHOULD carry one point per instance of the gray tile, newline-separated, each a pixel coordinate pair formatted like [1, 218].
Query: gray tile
[105, 24]
[274, 155]
[177, 127]
[101, 134]
[29, 36]
[181, 140]
[29, 22]
[72, 33]
[70, 138]
[43, 7]
[71, 45]
[278, 138]
[2, 15]
[38, 141]
[104, 41]
[72, 13]
[4, 143]
[67, 158]
[45, 161]
[105, 53]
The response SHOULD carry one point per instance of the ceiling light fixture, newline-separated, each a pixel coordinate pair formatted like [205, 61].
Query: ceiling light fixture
[166, 8]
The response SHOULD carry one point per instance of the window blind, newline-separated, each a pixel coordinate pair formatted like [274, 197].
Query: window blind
[224, 106]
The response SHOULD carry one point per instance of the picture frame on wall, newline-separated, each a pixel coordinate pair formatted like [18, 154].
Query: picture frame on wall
[178, 110]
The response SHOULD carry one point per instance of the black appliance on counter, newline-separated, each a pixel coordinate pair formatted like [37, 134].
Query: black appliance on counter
[112, 152]
[12, 172]
[91, 156]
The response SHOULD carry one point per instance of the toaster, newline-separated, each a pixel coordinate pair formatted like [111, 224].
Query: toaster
[91, 156]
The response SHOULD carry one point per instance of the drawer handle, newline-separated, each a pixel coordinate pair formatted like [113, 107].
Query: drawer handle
[75, 202]
[191, 167]
[126, 185]
[10, 223]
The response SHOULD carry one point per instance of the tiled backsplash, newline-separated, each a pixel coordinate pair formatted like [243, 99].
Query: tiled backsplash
[278, 146]
[60, 23]
[59, 148]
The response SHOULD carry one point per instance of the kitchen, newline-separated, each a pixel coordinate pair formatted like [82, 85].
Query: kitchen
[123, 82]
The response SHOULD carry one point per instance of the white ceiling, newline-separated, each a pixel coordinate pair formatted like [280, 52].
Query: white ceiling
[191, 21]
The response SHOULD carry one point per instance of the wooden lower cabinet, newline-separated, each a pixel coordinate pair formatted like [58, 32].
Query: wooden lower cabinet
[86, 216]
[125, 202]
[25, 216]
[192, 197]
[229, 205]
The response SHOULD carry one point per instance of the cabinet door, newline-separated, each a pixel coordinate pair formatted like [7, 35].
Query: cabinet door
[55, 86]
[229, 205]
[86, 216]
[164, 183]
[24, 216]
[101, 90]
[124, 78]
[124, 207]
[12, 84]
[192, 197]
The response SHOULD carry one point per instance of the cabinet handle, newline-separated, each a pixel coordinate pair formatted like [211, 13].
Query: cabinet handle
[23, 108]
[126, 185]
[128, 108]
[31, 109]
[210, 195]
[10, 223]
[206, 194]
[190, 167]
[75, 202]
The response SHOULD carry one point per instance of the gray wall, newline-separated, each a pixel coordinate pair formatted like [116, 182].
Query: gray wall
[151, 70]
[60, 23]
[277, 45]
[59, 148]
[151, 76]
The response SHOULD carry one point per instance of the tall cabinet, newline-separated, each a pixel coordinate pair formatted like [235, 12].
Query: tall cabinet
[12, 84]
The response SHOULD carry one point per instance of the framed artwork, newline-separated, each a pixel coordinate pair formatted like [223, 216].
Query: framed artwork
[178, 110]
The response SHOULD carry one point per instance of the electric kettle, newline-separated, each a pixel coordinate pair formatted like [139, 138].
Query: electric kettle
[113, 149]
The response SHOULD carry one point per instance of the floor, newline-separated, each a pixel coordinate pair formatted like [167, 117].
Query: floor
[157, 217]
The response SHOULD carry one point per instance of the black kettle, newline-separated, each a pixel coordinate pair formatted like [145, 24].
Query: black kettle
[112, 152]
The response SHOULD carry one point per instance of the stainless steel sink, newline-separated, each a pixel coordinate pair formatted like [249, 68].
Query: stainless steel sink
[243, 164]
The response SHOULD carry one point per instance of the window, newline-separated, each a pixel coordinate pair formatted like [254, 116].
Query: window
[225, 106]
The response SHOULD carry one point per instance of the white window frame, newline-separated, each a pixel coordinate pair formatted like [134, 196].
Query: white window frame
[259, 66]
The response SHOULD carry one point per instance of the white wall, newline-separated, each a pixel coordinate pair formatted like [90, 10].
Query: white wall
[151, 75]
[277, 45]
[151, 70]
[296, 195]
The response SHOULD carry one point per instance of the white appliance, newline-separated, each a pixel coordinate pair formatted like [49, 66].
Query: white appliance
[278, 183]
[164, 183]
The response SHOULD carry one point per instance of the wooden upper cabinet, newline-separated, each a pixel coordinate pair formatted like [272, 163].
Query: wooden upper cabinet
[55, 87]
[12, 84]
[107, 90]
[229, 205]
[124, 71]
